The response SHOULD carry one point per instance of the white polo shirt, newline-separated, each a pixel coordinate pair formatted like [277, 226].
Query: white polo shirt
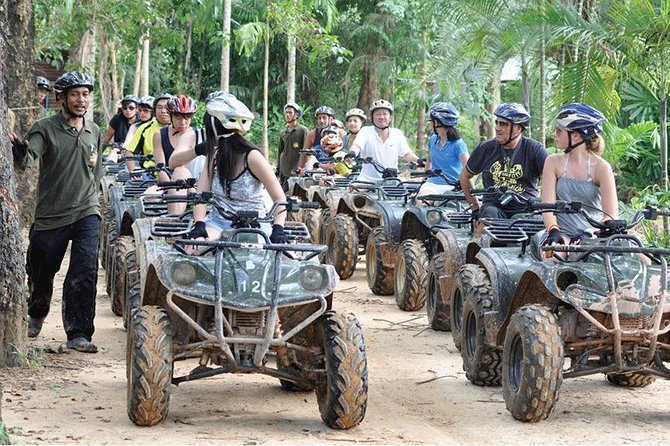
[385, 152]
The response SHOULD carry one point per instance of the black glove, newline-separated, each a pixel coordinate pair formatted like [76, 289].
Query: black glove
[350, 154]
[199, 230]
[554, 236]
[201, 149]
[474, 214]
[19, 149]
[278, 235]
[421, 162]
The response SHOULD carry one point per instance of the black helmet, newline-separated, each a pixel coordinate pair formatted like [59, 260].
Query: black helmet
[325, 110]
[130, 98]
[43, 83]
[73, 79]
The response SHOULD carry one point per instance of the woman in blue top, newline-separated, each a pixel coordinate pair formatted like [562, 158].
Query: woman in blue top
[446, 149]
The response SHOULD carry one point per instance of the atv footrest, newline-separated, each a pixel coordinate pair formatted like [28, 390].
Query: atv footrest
[459, 218]
[296, 231]
[169, 227]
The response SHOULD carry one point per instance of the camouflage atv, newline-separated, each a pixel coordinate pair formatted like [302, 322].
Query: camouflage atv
[244, 305]
[455, 249]
[365, 207]
[407, 250]
[605, 309]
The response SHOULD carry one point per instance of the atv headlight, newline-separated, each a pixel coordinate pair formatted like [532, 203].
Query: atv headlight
[433, 217]
[311, 277]
[184, 273]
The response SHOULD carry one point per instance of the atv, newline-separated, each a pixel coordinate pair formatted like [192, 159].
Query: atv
[365, 207]
[243, 305]
[604, 308]
[408, 249]
[450, 271]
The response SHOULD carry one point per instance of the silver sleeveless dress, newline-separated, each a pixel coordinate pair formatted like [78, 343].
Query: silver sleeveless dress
[586, 191]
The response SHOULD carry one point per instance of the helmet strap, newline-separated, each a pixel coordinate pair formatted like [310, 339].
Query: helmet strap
[571, 145]
[510, 137]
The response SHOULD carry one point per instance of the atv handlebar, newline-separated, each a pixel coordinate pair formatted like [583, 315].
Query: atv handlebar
[187, 183]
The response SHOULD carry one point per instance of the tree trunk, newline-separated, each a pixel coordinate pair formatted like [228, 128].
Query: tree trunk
[543, 57]
[369, 85]
[104, 81]
[486, 129]
[117, 84]
[266, 84]
[525, 89]
[290, 69]
[421, 113]
[87, 58]
[12, 273]
[144, 79]
[20, 93]
[225, 48]
[189, 45]
[138, 72]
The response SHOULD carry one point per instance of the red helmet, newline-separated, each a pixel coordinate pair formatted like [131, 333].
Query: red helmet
[182, 105]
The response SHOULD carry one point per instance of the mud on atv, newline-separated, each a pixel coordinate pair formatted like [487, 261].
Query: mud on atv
[365, 207]
[451, 273]
[401, 264]
[244, 305]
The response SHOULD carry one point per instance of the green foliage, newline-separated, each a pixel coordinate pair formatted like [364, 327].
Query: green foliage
[633, 152]
[652, 231]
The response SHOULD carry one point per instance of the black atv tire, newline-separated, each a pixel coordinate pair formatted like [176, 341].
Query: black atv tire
[437, 308]
[380, 279]
[112, 237]
[342, 390]
[630, 379]
[150, 366]
[324, 228]
[468, 276]
[124, 245]
[411, 275]
[532, 363]
[343, 245]
[311, 219]
[133, 299]
[482, 363]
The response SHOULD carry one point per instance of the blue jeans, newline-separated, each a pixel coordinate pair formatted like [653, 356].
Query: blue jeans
[46, 250]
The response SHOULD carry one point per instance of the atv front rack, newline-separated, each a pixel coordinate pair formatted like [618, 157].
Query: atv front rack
[509, 231]
[170, 226]
[620, 295]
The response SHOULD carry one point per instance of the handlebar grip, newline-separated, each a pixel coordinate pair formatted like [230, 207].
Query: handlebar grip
[309, 205]
[557, 206]
[419, 174]
[663, 212]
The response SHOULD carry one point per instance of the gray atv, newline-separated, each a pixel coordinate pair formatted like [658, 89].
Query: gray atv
[413, 245]
[451, 270]
[360, 211]
[243, 305]
[602, 309]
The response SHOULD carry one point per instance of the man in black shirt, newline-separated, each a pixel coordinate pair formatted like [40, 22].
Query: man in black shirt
[510, 160]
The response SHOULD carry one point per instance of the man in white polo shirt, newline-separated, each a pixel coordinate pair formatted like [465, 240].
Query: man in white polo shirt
[381, 142]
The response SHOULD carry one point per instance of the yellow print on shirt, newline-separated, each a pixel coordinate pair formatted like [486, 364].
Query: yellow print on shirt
[504, 175]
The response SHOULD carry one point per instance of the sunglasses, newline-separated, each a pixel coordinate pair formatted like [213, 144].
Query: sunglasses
[502, 123]
[128, 107]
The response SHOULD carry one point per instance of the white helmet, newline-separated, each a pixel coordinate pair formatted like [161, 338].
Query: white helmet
[231, 112]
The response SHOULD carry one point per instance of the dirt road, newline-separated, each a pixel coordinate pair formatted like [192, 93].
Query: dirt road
[418, 395]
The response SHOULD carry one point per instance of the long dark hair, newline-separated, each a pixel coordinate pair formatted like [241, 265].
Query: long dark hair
[452, 134]
[225, 152]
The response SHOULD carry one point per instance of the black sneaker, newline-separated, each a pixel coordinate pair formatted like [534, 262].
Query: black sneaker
[34, 326]
[82, 345]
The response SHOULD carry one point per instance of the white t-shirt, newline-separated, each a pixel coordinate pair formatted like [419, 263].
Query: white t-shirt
[385, 152]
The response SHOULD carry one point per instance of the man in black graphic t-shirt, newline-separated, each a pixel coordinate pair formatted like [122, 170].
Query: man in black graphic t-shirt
[509, 160]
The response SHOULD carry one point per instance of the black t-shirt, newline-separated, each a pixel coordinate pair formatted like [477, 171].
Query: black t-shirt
[120, 125]
[519, 168]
